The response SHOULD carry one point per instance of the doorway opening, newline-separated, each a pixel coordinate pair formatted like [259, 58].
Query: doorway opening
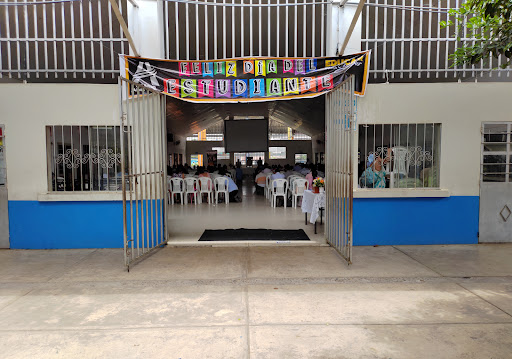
[151, 219]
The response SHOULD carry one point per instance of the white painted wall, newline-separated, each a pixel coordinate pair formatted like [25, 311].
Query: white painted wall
[338, 23]
[459, 107]
[27, 108]
[144, 23]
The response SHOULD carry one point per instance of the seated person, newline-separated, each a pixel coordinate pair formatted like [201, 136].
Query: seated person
[374, 175]
[277, 174]
[310, 176]
[260, 181]
[232, 188]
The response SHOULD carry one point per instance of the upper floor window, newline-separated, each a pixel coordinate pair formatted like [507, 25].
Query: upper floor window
[399, 155]
[221, 154]
[277, 153]
[84, 158]
[496, 152]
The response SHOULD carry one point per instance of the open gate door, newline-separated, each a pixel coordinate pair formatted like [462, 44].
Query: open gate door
[143, 165]
[340, 126]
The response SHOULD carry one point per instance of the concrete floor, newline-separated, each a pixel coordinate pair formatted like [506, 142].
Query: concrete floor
[258, 302]
[188, 222]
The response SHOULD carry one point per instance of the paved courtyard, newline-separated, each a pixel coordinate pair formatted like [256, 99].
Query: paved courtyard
[258, 302]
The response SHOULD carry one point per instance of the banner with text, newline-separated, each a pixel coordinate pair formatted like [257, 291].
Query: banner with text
[248, 80]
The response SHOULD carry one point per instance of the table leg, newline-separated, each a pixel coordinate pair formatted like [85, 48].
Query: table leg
[306, 214]
[315, 227]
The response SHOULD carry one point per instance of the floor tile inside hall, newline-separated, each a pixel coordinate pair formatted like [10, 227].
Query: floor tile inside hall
[188, 222]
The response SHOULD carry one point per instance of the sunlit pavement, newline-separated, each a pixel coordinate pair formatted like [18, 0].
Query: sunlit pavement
[258, 302]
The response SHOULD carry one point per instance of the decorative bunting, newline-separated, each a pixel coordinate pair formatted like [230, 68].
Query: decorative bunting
[246, 80]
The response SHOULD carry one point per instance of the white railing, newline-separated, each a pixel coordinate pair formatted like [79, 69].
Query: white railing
[66, 41]
[203, 30]
[408, 43]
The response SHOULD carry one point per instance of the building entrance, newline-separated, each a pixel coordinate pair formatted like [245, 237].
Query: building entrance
[148, 221]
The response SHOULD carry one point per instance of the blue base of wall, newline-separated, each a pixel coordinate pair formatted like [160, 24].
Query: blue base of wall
[45, 225]
[377, 221]
[394, 221]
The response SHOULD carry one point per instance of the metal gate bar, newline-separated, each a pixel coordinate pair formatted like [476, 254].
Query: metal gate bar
[143, 168]
[340, 126]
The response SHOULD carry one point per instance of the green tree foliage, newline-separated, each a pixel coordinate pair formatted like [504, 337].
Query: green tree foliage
[489, 22]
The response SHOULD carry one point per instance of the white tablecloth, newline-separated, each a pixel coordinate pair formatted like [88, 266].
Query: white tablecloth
[311, 203]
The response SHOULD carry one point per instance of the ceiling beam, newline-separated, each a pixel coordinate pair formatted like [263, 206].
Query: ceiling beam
[124, 26]
[359, 9]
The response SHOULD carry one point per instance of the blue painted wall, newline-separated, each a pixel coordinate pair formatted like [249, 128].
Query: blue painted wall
[382, 221]
[389, 221]
[42, 225]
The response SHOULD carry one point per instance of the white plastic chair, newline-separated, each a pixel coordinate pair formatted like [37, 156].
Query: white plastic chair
[299, 186]
[191, 188]
[206, 186]
[221, 186]
[176, 186]
[268, 187]
[279, 187]
[290, 180]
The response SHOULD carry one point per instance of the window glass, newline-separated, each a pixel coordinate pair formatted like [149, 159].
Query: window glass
[243, 157]
[301, 158]
[84, 158]
[280, 131]
[496, 152]
[276, 153]
[221, 155]
[399, 155]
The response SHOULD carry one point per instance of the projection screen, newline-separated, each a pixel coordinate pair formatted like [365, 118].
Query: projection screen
[246, 135]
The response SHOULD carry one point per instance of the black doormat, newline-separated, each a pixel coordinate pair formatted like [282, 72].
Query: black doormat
[243, 234]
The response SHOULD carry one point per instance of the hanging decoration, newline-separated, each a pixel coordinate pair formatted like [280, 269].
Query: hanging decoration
[248, 79]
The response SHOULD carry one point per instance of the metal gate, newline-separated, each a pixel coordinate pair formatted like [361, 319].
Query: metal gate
[143, 166]
[339, 132]
[495, 219]
[4, 210]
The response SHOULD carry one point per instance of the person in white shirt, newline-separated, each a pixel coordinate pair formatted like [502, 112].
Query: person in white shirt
[278, 175]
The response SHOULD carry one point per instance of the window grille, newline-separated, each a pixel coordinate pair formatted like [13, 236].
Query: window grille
[221, 154]
[399, 155]
[242, 157]
[280, 131]
[214, 132]
[496, 152]
[84, 158]
[230, 29]
[276, 131]
[76, 41]
[408, 45]
[277, 153]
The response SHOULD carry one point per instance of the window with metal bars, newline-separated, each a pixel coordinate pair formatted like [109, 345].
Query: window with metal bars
[52, 41]
[399, 155]
[214, 132]
[276, 131]
[244, 157]
[84, 158]
[280, 131]
[221, 153]
[496, 162]
[409, 45]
